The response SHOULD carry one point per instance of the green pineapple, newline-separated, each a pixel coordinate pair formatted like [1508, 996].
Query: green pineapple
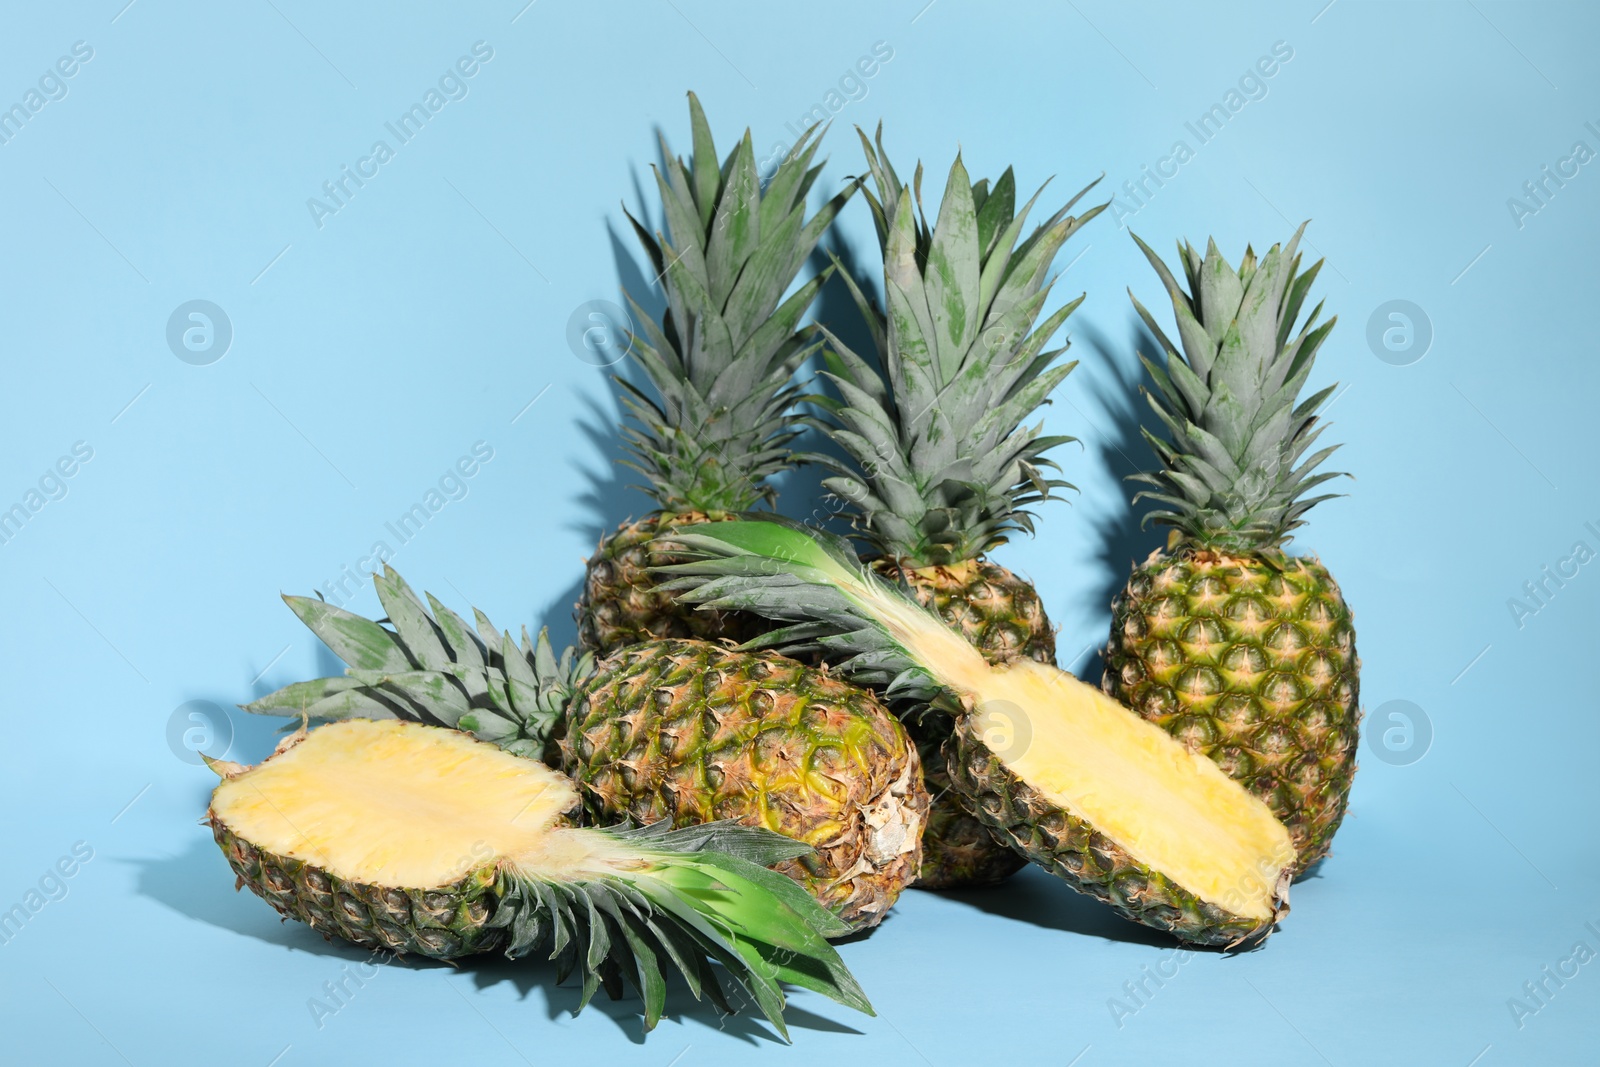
[722, 364]
[941, 468]
[416, 839]
[1240, 651]
[1064, 774]
[677, 729]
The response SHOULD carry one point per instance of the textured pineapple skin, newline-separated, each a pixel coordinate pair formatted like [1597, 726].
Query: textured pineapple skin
[622, 605]
[443, 924]
[1253, 663]
[694, 732]
[1000, 614]
[958, 850]
[1003, 617]
[1090, 862]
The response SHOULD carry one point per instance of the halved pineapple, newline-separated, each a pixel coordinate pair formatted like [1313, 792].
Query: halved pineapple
[1067, 776]
[416, 838]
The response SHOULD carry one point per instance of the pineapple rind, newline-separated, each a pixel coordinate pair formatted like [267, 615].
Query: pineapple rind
[443, 923]
[1252, 662]
[1087, 859]
[998, 612]
[693, 732]
[958, 850]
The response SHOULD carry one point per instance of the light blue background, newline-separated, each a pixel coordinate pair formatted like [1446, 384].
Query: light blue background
[429, 312]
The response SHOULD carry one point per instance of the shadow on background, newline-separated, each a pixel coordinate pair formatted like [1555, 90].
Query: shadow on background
[801, 494]
[1114, 442]
[1036, 897]
[195, 883]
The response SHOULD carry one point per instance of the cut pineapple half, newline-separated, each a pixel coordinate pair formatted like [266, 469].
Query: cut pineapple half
[414, 838]
[391, 803]
[1170, 809]
[1076, 782]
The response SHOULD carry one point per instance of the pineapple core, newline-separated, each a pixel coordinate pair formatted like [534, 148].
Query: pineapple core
[1171, 809]
[399, 804]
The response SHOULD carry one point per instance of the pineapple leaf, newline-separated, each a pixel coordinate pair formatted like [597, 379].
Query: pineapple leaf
[410, 620]
[359, 642]
[707, 175]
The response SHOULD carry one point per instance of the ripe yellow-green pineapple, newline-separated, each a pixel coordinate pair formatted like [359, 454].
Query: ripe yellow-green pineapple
[677, 729]
[1062, 773]
[721, 362]
[416, 839]
[942, 468]
[691, 732]
[1236, 648]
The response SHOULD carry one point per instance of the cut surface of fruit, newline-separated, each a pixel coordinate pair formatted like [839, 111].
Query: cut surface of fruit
[1171, 809]
[388, 803]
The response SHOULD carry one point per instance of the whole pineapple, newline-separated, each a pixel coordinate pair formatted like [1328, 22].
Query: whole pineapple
[1239, 650]
[941, 469]
[677, 729]
[721, 362]
[690, 732]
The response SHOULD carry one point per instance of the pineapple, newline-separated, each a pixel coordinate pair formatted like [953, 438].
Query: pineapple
[416, 839]
[677, 729]
[722, 362]
[941, 469]
[1100, 797]
[1238, 650]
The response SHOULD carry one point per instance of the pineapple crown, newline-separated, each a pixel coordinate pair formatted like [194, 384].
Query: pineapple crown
[1235, 473]
[722, 361]
[941, 468]
[434, 669]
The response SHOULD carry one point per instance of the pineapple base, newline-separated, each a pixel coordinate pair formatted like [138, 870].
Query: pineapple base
[622, 605]
[442, 923]
[693, 732]
[1252, 663]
